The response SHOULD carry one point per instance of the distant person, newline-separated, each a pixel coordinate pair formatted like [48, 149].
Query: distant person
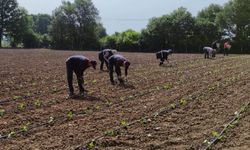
[163, 55]
[77, 64]
[104, 56]
[227, 47]
[208, 52]
[215, 46]
[116, 61]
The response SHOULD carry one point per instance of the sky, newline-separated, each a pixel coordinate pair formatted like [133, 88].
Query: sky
[120, 15]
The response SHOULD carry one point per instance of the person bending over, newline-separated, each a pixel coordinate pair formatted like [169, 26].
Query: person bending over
[163, 55]
[104, 56]
[117, 61]
[77, 64]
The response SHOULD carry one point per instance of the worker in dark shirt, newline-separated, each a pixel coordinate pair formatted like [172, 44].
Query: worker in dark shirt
[163, 55]
[118, 61]
[104, 56]
[77, 64]
[215, 46]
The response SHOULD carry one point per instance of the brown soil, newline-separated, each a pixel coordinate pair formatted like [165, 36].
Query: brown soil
[212, 89]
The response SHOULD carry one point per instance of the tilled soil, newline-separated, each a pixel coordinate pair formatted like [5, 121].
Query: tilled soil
[212, 90]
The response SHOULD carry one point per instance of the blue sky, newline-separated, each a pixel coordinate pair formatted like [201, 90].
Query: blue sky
[120, 15]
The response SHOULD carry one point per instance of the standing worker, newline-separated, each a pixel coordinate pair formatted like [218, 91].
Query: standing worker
[118, 61]
[215, 46]
[227, 47]
[104, 56]
[77, 64]
[163, 55]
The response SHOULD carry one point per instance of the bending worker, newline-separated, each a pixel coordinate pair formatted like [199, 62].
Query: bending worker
[104, 56]
[118, 61]
[163, 55]
[77, 64]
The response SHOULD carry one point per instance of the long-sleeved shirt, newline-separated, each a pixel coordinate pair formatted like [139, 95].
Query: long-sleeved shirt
[78, 63]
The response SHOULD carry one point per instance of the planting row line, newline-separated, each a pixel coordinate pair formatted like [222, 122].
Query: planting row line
[76, 113]
[90, 144]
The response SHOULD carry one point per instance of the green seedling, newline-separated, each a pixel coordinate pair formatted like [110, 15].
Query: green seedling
[173, 106]
[38, 103]
[51, 120]
[97, 107]
[94, 81]
[108, 103]
[21, 106]
[70, 115]
[122, 98]
[124, 123]
[2, 111]
[110, 133]
[24, 128]
[183, 102]
[143, 121]
[90, 93]
[215, 134]
[16, 97]
[130, 97]
[28, 94]
[11, 134]
[91, 145]
[168, 86]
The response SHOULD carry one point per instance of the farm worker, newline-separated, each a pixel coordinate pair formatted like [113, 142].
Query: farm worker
[118, 61]
[215, 46]
[163, 55]
[77, 64]
[104, 56]
[208, 51]
[227, 47]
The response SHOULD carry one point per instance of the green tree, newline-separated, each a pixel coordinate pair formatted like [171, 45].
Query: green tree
[8, 14]
[41, 23]
[75, 25]
[210, 13]
[242, 21]
[19, 27]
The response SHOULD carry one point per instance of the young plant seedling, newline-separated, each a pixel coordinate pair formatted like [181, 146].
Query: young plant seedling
[51, 120]
[183, 102]
[11, 134]
[70, 115]
[173, 106]
[2, 111]
[124, 124]
[38, 103]
[21, 106]
[110, 133]
[91, 145]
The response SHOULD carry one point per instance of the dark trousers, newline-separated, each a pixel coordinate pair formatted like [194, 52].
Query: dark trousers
[117, 71]
[226, 51]
[102, 63]
[79, 75]
[206, 54]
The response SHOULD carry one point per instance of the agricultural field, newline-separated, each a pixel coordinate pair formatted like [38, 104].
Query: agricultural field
[190, 103]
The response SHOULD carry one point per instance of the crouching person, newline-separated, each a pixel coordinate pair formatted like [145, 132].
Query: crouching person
[117, 61]
[104, 56]
[77, 64]
[163, 55]
[208, 52]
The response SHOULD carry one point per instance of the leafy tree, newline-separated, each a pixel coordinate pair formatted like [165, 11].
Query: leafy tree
[210, 13]
[8, 14]
[41, 23]
[75, 25]
[21, 25]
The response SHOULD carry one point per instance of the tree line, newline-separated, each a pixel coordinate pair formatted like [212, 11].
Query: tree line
[77, 26]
